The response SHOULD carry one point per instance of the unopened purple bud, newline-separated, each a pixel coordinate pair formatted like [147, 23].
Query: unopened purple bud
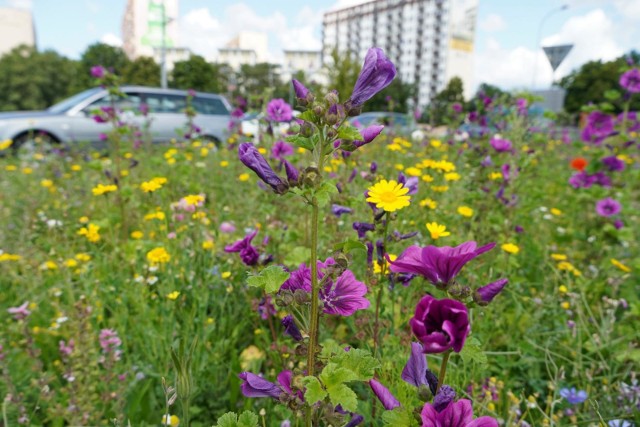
[369, 254]
[380, 251]
[487, 293]
[252, 159]
[444, 397]
[292, 173]
[368, 135]
[362, 228]
[618, 224]
[356, 420]
[373, 167]
[98, 71]
[384, 395]
[301, 91]
[290, 328]
[518, 229]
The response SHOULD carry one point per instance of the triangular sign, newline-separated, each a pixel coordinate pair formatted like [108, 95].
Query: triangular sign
[556, 54]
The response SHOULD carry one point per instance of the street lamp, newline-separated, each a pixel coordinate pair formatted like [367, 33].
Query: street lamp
[536, 50]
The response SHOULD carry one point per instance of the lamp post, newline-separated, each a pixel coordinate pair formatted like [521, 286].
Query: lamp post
[536, 50]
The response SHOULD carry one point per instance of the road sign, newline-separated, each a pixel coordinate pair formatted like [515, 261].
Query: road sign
[556, 54]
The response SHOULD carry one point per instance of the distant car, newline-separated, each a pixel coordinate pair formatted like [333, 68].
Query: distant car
[72, 120]
[403, 123]
[253, 122]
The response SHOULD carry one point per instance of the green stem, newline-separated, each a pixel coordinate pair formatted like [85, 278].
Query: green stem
[185, 411]
[443, 370]
[383, 272]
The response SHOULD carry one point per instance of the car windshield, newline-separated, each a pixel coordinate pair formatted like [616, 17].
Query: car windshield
[67, 104]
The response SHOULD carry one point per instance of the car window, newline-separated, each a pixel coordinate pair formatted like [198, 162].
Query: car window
[209, 106]
[163, 103]
[67, 104]
[131, 101]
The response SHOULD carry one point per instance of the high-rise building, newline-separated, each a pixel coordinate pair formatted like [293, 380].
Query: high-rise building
[145, 24]
[16, 28]
[429, 41]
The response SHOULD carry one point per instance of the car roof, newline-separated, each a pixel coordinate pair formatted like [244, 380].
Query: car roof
[148, 89]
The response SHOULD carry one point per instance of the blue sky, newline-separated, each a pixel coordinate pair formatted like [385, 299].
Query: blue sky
[505, 37]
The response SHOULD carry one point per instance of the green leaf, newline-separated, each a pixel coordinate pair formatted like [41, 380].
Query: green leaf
[400, 416]
[270, 279]
[297, 256]
[359, 362]
[248, 419]
[330, 348]
[472, 352]
[308, 116]
[230, 419]
[301, 141]
[342, 395]
[323, 194]
[314, 392]
[349, 133]
[333, 375]
[350, 245]
[612, 94]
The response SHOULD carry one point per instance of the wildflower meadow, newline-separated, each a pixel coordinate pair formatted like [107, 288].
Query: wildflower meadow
[330, 275]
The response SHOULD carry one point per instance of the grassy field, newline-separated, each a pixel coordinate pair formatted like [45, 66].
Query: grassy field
[112, 276]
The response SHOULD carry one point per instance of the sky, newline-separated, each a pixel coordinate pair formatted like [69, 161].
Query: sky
[507, 51]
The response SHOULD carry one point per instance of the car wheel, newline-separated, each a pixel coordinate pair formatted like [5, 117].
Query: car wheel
[208, 138]
[28, 144]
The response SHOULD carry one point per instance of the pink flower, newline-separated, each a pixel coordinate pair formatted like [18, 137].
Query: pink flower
[21, 312]
[456, 414]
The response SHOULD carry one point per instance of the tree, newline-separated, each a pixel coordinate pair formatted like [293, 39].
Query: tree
[30, 80]
[394, 97]
[441, 103]
[197, 74]
[589, 83]
[142, 71]
[110, 57]
[257, 82]
[343, 73]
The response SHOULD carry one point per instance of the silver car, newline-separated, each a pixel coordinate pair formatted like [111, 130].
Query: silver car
[72, 120]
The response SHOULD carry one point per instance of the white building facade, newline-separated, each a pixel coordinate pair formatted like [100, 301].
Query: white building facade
[16, 28]
[429, 41]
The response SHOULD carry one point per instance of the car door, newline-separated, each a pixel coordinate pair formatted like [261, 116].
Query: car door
[213, 116]
[166, 111]
[84, 128]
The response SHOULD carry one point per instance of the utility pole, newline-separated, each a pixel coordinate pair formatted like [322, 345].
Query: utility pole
[163, 48]
[537, 49]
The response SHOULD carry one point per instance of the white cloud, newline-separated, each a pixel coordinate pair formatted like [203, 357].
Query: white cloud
[111, 39]
[493, 23]
[204, 33]
[340, 4]
[593, 36]
[20, 4]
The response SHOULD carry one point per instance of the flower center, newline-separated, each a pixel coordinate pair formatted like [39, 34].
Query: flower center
[388, 197]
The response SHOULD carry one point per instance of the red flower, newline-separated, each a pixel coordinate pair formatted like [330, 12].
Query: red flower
[579, 163]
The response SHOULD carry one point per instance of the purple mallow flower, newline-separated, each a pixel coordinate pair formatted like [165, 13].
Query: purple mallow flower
[389, 402]
[252, 159]
[377, 73]
[21, 312]
[456, 414]
[613, 163]
[416, 372]
[279, 111]
[110, 342]
[500, 144]
[573, 396]
[342, 297]
[439, 265]
[608, 207]
[440, 325]
[630, 80]
[98, 71]
[599, 126]
[256, 386]
[281, 149]
[487, 293]
[248, 253]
